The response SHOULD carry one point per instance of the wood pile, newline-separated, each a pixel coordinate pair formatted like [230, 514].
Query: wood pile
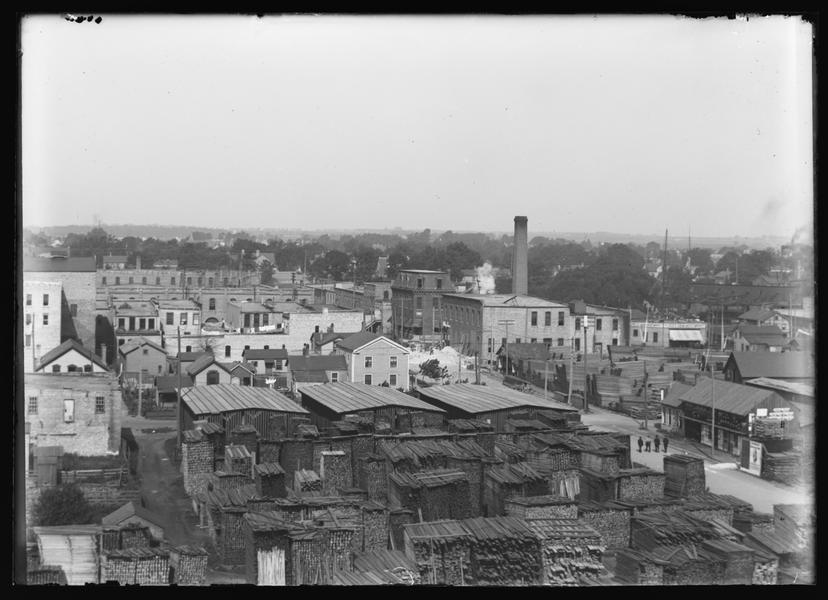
[504, 551]
[188, 565]
[134, 535]
[136, 566]
[441, 550]
[270, 480]
[738, 560]
[46, 575]
[688, 565]
[245, 435]
[684, 476]
[541, 507]
[638, 568]
[765, 568]
[570, 549]
[335, 470]
[785, 467]
[398, 518]
[437, 494]
[373, 478]
[238, 459]
[306, 482]
[375, 527]
[769, 428]
[610, 521]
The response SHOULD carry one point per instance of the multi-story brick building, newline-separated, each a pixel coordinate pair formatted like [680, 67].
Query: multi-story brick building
[41, 319]
[375, 360]
[608, 326]
[77, 302]
[175, 314]
[135, 318]
[482, 323]
[253, 317]
[416, 303]
[667, 333]
[81, 412]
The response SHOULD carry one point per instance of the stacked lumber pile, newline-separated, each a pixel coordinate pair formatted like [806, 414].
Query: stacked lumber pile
[570, 550]
[638, 568]
[611, 521]
[244, 435]
[388, 567]
[689, 565]
[684, 476]
[765, 568]
[134, 535]
[307, 482]
[188, 565]
[738, 559]
[782, 466]
[141, 566]
[46, 575]
[398, 518]
[768, 428]
[238, 459]
[504, 551]
[673, 529]
[335, 470]
[441, 550]
[437, 494]
[375, 529]
[372, 476]
[541, 507]
[270, 480]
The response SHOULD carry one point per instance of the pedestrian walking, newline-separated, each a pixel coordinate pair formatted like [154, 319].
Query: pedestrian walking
[640, 443]
[665, 445]
[657, 442]
[647, 446]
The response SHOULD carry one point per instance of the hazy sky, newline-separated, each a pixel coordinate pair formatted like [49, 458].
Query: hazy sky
[620, 124]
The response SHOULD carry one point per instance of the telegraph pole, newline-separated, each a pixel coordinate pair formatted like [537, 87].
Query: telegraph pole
[571, 369]
[178, 388]
[586, 375]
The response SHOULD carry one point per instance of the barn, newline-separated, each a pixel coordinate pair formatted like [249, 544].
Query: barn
[231, 406]
[331, 402]
[491, 404]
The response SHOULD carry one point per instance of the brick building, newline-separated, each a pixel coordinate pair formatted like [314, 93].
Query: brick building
[416, 303]
[41, 319]
[81, 412]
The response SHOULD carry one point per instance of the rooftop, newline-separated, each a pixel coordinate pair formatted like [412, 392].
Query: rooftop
[495, 300]
[352, 397]
[477, 399]
[221, 398]
[329, 362]
[776, 365]
[780, 385]
[177, 304]
[67, 346]
[136, 343]
[84, 264]
[128, 510]
[269, 354]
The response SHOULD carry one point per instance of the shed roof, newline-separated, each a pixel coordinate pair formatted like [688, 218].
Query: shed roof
[352, 343]
[65, 347]
[515, 473]
[429, 479]
[202, 362]
[269, 354]
[137, 342]
[757, 314]
[777, 365]
[729, 397]
[330, 362]
[128, 510]
[346, 397]
[780, 385]
[673, 395]
[222, 398]
[476, 399]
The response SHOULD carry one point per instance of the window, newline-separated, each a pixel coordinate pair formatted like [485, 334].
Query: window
[224, 281]
[264, 319]
[547, 318]
[68, 411]
[195, 318]
[29, 299]
[103, 280]
[392, 380]
[385, 295]
[157, 281]
[55, 368]
[597, 324]
[212, 377]
[368, 379]
[210, 282]
[561, 318]
[577, 324]
[635, 332]
[146, 352]
[170, 318]
[100, 405]
[142, 324]
[615, 324]
[144, 280]
[560, 341]
[121, 323]
[151, 323]
[369, 362]
[87, 368]
[211, 305]
[28, 340]
[334, 377]
[188, 349]
[534, 318]
[117, 281]
[172, 280]
[227, 352]
[28, 318]
[534, 340]
[489, 345]
[393, 364]
[72, 368]
[131, 280]
[614, 341]
[200, 280]
[189, 281]
[45, 319]
[247, 347]
[655, 336]
[32, 405]
[439, 284]
[418, 302]
[419, 283]
[267, 347]
[159, 368]
[517, 340]
[183, 318]
[45, 299]
[502, 341]
[279, 364]
[577, 344]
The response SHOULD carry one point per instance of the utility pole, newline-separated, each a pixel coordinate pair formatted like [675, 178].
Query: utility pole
[476, 370]
[178, 388]
[586, 375]
[546, 375]
[571, 369]
[713, 408]
[663, 272]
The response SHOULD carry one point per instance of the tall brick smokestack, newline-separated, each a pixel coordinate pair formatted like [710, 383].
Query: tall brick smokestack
[520, 260]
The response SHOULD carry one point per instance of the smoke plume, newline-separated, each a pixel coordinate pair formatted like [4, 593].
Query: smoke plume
[485, 283]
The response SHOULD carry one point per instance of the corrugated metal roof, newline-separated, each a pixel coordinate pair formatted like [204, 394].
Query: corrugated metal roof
[310, 376]
[435, 478]
[477, 399]
[729, 397]
[777, 365]
[436, 529]
[671, 398]
[234, 451]
[515, 473]
[222, 398]
[345, 397]
[269, 354]
[269, 469]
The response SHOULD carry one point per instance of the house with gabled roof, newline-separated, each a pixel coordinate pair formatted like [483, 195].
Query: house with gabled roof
[788, 366]
[765, 317]
[313, 369]
[143, 355]
[69, 357]
[375, 360]
[206, 370]
[757, 338]
[132, 513]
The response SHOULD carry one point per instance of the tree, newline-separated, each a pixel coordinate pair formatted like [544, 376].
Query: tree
[431, 368]
[62, 505]
[266, 273]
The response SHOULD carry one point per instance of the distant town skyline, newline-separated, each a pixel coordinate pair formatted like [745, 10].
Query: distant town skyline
[625, 125]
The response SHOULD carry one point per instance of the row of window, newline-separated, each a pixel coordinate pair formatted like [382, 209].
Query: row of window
[547, 318]
[45, 299]
[200, 281]
[182, 320]
[369, 362]
[548, 342]
[29, 319]
[143, 323]
[69, 407]
[598, 324]
[392, 379]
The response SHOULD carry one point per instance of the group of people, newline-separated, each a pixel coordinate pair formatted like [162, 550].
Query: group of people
[648, 444]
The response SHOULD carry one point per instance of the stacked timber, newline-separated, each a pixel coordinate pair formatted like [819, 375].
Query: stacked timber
[782, 466]
[684, 476]
[46, 575]
[610, 520]
[306, 482]
[375, 527]
[504, 551]
[188, 565]
[441, 550]
[638, 568]
[141, 566]
[570, 550]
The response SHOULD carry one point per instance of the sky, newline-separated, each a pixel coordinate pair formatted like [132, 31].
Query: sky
[624, 124]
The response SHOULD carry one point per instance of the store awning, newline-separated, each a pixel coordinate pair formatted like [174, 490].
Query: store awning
[685, 335]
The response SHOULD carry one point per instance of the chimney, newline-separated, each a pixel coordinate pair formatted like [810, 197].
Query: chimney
[305, 350]
[520, 260]
[103, 353]
[138, 262]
